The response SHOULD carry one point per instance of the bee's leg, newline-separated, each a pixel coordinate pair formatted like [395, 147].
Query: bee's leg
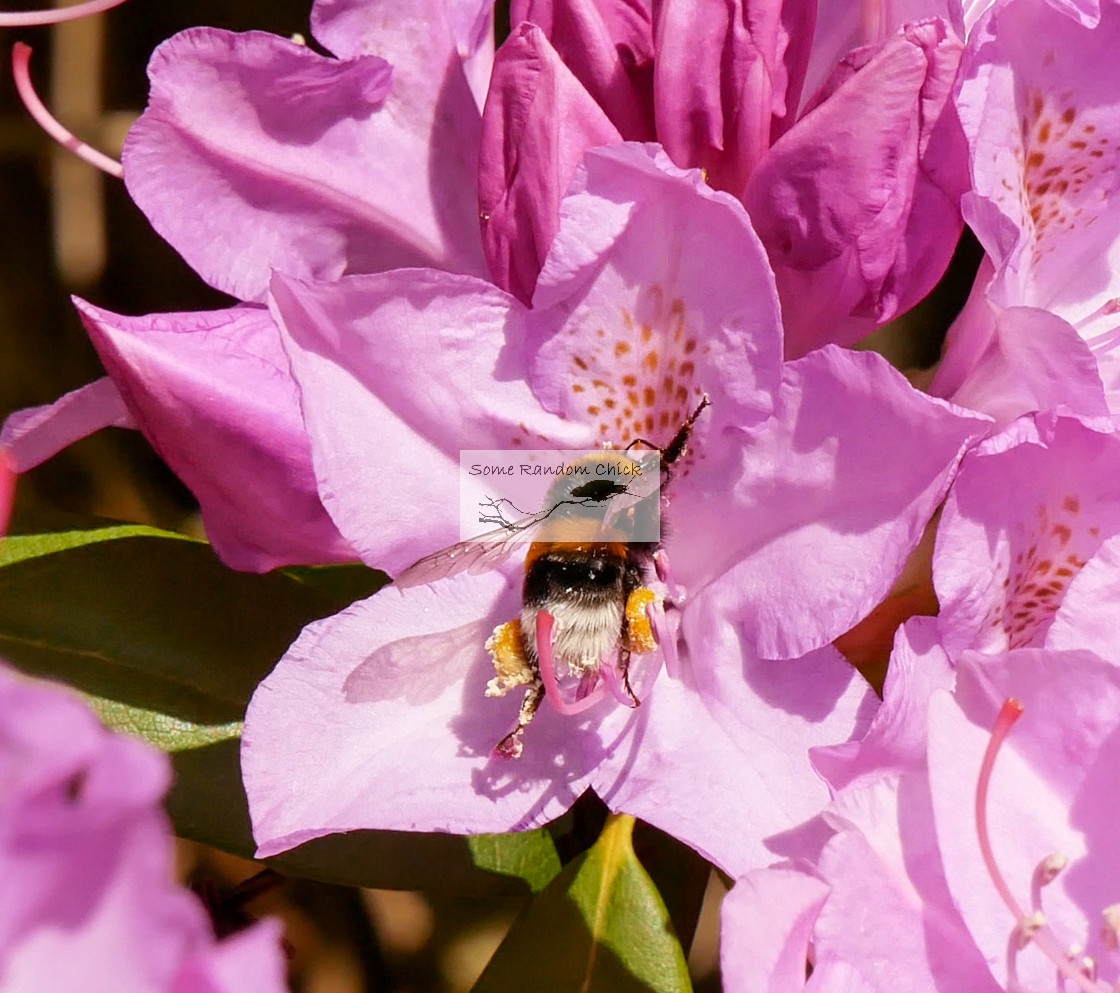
[511, 746]
[642, 441]
[610, 672]
[624, 668]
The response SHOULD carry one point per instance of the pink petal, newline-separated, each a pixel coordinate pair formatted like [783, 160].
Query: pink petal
[845, 479]
[425, 40]
[32, 436]
[537, 123]
[1085, 12]
[87, 858]
[397, 374]
[7, 490]
[842, 26]
[1013, 361]
[702, 763]
[247, 962]
[85, 853]
[307, 164]
[893, 931]
[666, 284]
[1079, 622]
[608, 46]
[896, 739]
[766, 925]
[377, 718]
[718, 82]
[858, 204]
[213, 394]
[1029, 508]
[728, 82]
[1042, 133]
[645, 332]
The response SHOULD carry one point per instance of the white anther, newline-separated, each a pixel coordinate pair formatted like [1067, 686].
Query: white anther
[1089, 968]
[1030, 926]
[298, 39]
[1050, 866]
[1110, 927]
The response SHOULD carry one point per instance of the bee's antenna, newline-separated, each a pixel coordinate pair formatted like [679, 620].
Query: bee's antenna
[679, 445]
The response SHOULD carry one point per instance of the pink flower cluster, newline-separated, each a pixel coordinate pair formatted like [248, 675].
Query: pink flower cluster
[570, 243]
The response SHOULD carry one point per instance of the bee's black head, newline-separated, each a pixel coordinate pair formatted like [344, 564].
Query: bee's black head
[584, 577]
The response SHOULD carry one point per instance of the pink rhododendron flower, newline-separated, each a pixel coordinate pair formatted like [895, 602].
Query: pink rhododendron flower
[871, 911]
[903, 895]
[657, 290]
[1051, 811]
[86, 854]
[1043, 129]
[311, 165]
[855, 196]
[1026, 566]
[256, 153]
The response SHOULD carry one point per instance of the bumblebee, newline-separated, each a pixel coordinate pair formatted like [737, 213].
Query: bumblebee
[587, 600]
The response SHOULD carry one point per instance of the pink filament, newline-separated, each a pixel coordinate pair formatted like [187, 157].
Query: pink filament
[1009, 713]
[665, 640]
[545, 624]
[54, 15]
[7, 489]
[1106, 309]
[21, 59]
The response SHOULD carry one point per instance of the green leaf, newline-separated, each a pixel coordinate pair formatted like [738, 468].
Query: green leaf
[680, 874]
[147, 619]
[171, 734]
[167, 643]
[599, 927]
[343, 583]
[528, 855]
[17, 547]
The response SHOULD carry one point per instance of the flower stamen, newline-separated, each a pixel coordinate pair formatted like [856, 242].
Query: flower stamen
[1029, 928]
[1109, 308]
[21, 61]
[1110, 927]
[1044, 874]
[545, 659]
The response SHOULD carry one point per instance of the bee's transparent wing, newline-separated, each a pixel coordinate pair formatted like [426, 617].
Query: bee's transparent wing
[476, 555]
